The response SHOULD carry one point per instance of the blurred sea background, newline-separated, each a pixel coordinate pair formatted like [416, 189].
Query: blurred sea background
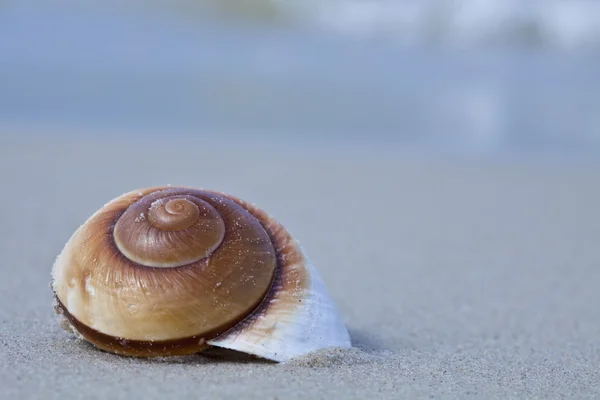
[471, 76]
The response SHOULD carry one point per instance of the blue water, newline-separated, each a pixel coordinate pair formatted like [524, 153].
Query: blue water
[205, 72]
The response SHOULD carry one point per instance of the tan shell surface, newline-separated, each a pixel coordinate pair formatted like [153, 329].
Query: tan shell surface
[109, 294]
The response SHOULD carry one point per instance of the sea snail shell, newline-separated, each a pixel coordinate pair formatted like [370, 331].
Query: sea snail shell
[174, 270]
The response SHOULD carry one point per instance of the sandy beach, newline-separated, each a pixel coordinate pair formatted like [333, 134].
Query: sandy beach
[457, 278]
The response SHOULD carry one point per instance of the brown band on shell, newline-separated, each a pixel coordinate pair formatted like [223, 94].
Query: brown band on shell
[138, 348]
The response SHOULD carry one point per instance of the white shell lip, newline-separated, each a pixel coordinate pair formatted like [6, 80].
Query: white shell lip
[292, 329]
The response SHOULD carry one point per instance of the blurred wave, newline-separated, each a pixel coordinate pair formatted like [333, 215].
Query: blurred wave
[505, 75]
[561, 24]
[537, 23]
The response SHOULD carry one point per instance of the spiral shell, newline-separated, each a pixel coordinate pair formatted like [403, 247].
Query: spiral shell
[174, 270]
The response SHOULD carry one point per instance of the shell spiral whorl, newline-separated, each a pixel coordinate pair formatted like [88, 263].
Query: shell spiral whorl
[188, 226]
